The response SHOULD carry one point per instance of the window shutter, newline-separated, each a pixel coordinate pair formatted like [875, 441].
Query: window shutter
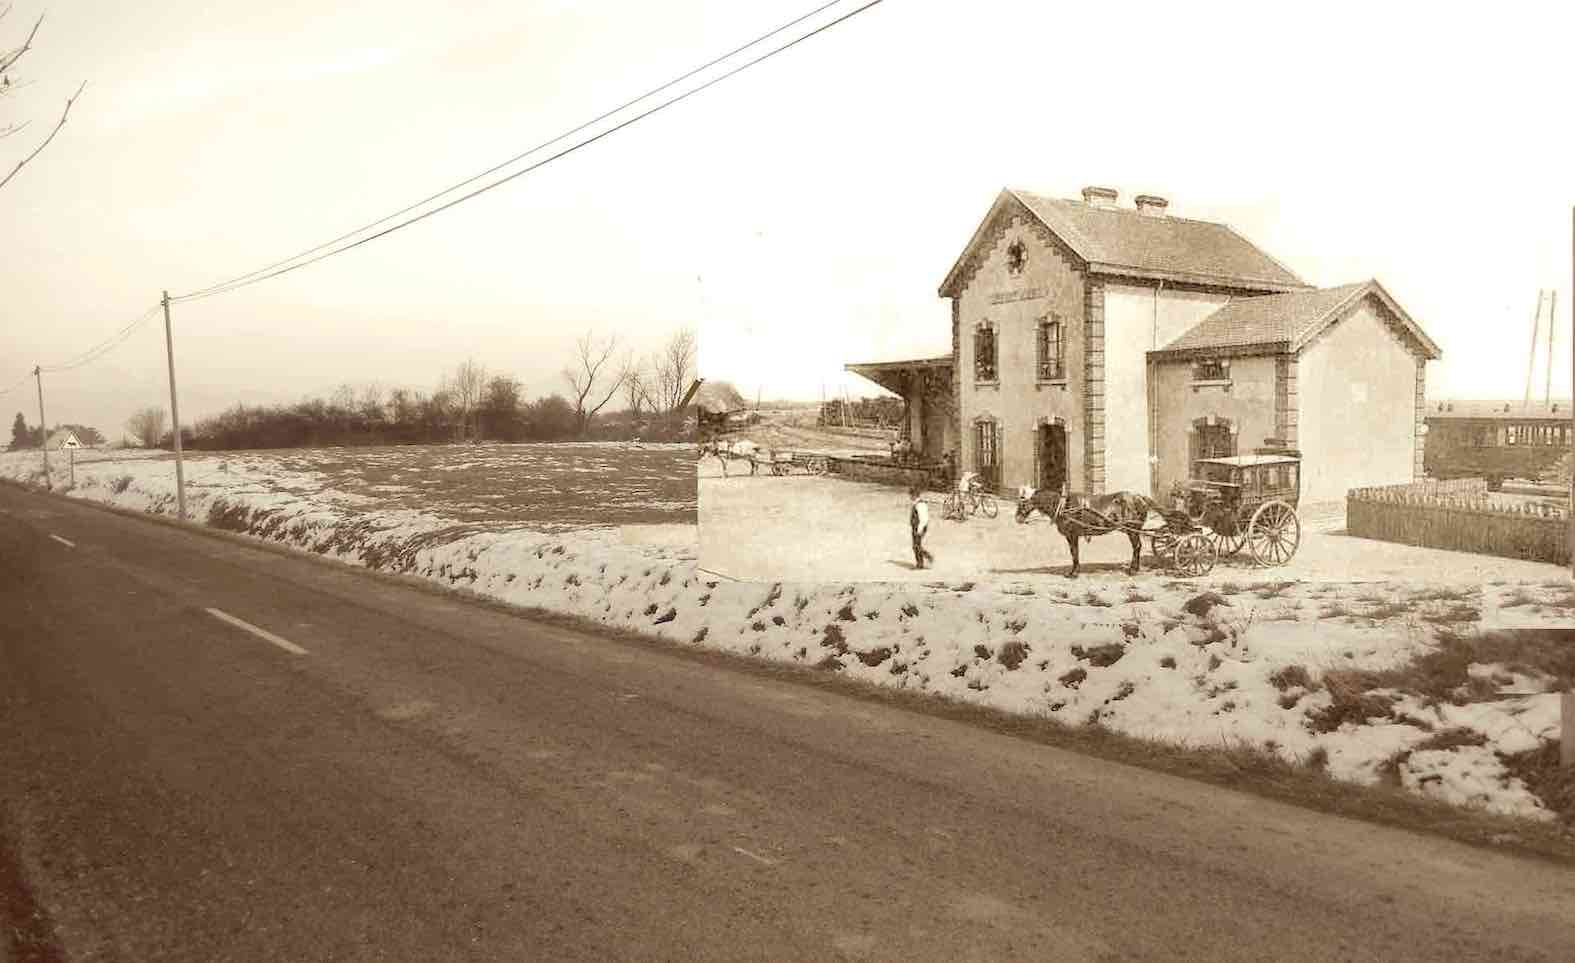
[1192, 453]
[995, 476]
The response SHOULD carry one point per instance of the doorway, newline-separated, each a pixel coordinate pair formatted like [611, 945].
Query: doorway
[1052, 457]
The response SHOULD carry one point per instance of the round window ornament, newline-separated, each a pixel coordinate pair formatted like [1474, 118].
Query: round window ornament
[1016, 256]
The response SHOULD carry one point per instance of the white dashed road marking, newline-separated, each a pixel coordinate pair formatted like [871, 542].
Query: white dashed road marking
[263, 634]
[64, 541]
[754, 856]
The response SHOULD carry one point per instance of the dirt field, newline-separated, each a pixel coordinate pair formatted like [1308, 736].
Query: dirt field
[801, 528]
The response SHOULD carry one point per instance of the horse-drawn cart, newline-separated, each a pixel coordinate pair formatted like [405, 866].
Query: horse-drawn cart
[791, 462]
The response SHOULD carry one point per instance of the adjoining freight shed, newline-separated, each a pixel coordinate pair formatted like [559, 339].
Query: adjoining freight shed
[1100, 348]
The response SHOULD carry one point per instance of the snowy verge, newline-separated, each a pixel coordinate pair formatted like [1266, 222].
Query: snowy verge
[1297, 669]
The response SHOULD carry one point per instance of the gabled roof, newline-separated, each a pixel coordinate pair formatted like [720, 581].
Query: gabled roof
[718, 396]
[1122, 241]
[1288, 322]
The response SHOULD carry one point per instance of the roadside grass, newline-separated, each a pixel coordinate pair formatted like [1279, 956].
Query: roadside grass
[1233, 764]
[1441, 674]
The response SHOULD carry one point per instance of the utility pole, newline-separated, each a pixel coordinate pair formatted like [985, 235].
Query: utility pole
[1531, 358]
[43, 432]
[1553, 301]
[169, 353]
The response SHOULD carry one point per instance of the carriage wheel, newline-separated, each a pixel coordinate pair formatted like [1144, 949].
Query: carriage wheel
[1195, 555]
[1164, 543]
[1274, 533]
[1228, 545]
[987, 505]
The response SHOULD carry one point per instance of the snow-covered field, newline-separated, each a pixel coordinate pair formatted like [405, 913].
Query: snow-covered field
[1309, 670]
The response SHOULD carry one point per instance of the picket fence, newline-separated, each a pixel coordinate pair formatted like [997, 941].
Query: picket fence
[1461, 515]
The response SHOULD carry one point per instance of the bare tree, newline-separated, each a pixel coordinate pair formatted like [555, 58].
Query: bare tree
[147, 426]
[674, 368]
[592, 373]
[637, 390]
[8, 59]
[373, 414]
[465, 386]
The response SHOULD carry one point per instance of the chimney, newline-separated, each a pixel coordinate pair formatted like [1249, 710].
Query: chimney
[1100, 196]
[1151, 206]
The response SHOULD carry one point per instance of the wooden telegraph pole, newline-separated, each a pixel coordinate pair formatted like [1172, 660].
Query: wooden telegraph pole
[43, 432]
[1553, 302]
[1531, 357]
[169, 353]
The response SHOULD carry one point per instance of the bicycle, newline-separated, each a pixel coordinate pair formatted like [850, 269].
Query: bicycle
[968, 499]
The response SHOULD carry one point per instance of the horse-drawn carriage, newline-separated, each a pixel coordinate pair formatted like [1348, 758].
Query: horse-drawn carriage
[1248, 501]
[1234, 502]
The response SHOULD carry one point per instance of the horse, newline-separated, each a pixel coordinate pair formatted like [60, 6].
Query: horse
[722, 451]
[1124, 511]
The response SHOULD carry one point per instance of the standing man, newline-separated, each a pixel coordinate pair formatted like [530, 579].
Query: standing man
[918, 525]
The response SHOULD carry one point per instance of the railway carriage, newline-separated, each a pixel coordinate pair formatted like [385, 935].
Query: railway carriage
[1496, 441]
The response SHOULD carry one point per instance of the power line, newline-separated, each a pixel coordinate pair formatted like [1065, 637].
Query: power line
[215, 288]
[286, 266]
[16, 384]
[104, 347]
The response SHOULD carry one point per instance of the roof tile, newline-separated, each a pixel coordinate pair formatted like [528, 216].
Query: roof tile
[1158, 244]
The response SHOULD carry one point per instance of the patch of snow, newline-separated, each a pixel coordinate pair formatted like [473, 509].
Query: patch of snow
[1127, 653]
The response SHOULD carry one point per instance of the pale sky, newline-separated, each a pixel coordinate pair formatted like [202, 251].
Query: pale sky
[800, 214]
[1424, 147]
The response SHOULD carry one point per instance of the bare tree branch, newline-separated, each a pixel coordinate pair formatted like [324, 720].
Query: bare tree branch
[7, 59]
[39, 149]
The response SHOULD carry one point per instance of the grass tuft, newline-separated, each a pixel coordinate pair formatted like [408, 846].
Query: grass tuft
[1290, 677]
[1543, 775]
[832, 638]
[1012, 654]
[1104, 655]
[875, 657]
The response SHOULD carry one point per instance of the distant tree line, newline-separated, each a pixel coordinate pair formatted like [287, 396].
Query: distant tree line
[24, 436]
[470, 404]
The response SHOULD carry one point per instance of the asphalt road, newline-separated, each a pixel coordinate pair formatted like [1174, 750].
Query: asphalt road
[433, 780]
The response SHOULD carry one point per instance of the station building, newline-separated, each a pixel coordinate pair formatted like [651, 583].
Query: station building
[1098, 347]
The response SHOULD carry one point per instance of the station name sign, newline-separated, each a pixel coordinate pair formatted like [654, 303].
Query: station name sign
[1021, 294]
